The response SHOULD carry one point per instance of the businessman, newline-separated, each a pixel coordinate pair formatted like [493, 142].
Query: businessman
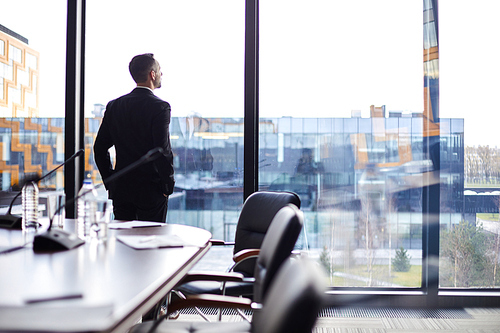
[134, 124]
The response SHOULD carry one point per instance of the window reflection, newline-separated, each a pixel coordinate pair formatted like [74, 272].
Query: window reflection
[361, 192]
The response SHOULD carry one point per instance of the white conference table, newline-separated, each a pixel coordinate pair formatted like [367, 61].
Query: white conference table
[107, 286]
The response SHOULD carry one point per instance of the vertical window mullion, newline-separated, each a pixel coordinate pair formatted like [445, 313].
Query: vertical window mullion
[74, 109]
[431, 139]
[251, 126]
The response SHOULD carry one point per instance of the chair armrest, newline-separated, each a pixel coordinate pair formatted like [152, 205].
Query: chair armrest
[245, 254]
[217, 242]
[220, 242]
[211, 301]
[213, 276]
[249, 279]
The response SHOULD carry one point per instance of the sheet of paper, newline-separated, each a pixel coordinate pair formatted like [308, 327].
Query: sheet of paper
[135, 224]
[140, 242]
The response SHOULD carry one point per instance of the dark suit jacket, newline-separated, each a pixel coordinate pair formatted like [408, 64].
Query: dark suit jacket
[136, 123]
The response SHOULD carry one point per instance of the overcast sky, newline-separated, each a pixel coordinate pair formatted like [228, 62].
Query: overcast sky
[320, 58]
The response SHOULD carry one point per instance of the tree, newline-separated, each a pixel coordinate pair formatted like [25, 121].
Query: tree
[482, 164]
[401, 262]
[325, 260]
[465, 250]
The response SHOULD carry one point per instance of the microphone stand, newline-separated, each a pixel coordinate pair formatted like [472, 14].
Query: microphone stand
[61, 240]
[11, 221]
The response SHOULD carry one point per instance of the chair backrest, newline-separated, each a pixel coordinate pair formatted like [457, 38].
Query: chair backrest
[256, 215]
[276, 247]
[294, 299]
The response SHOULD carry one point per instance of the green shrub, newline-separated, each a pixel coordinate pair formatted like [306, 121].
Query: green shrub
[401, 263]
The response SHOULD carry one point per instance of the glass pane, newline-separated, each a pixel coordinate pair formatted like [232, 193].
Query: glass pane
[354, 69]
[200, 47]
[469, 249]
[32, 96]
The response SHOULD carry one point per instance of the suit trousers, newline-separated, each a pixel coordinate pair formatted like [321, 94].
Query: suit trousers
[129, 211]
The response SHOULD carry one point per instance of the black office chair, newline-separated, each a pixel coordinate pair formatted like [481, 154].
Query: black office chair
[256, 215]
[291, 306]
[276, 247]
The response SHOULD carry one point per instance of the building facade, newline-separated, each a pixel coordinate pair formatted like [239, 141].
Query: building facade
[19, 76]
[19, 87]
[329, 162]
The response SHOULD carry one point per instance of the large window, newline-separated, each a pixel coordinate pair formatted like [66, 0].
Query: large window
[200, 47]
[341, 83]
[469, 252]
[351, 120]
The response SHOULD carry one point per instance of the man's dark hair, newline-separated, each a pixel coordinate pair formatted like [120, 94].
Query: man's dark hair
[141, 65]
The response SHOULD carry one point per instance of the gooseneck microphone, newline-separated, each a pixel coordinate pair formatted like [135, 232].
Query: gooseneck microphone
[10, 221]
[61, 240]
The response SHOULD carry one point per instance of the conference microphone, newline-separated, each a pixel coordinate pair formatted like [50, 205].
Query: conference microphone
[10, 221]
[61, 240]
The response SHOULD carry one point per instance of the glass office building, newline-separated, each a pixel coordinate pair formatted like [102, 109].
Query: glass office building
[359, 179]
